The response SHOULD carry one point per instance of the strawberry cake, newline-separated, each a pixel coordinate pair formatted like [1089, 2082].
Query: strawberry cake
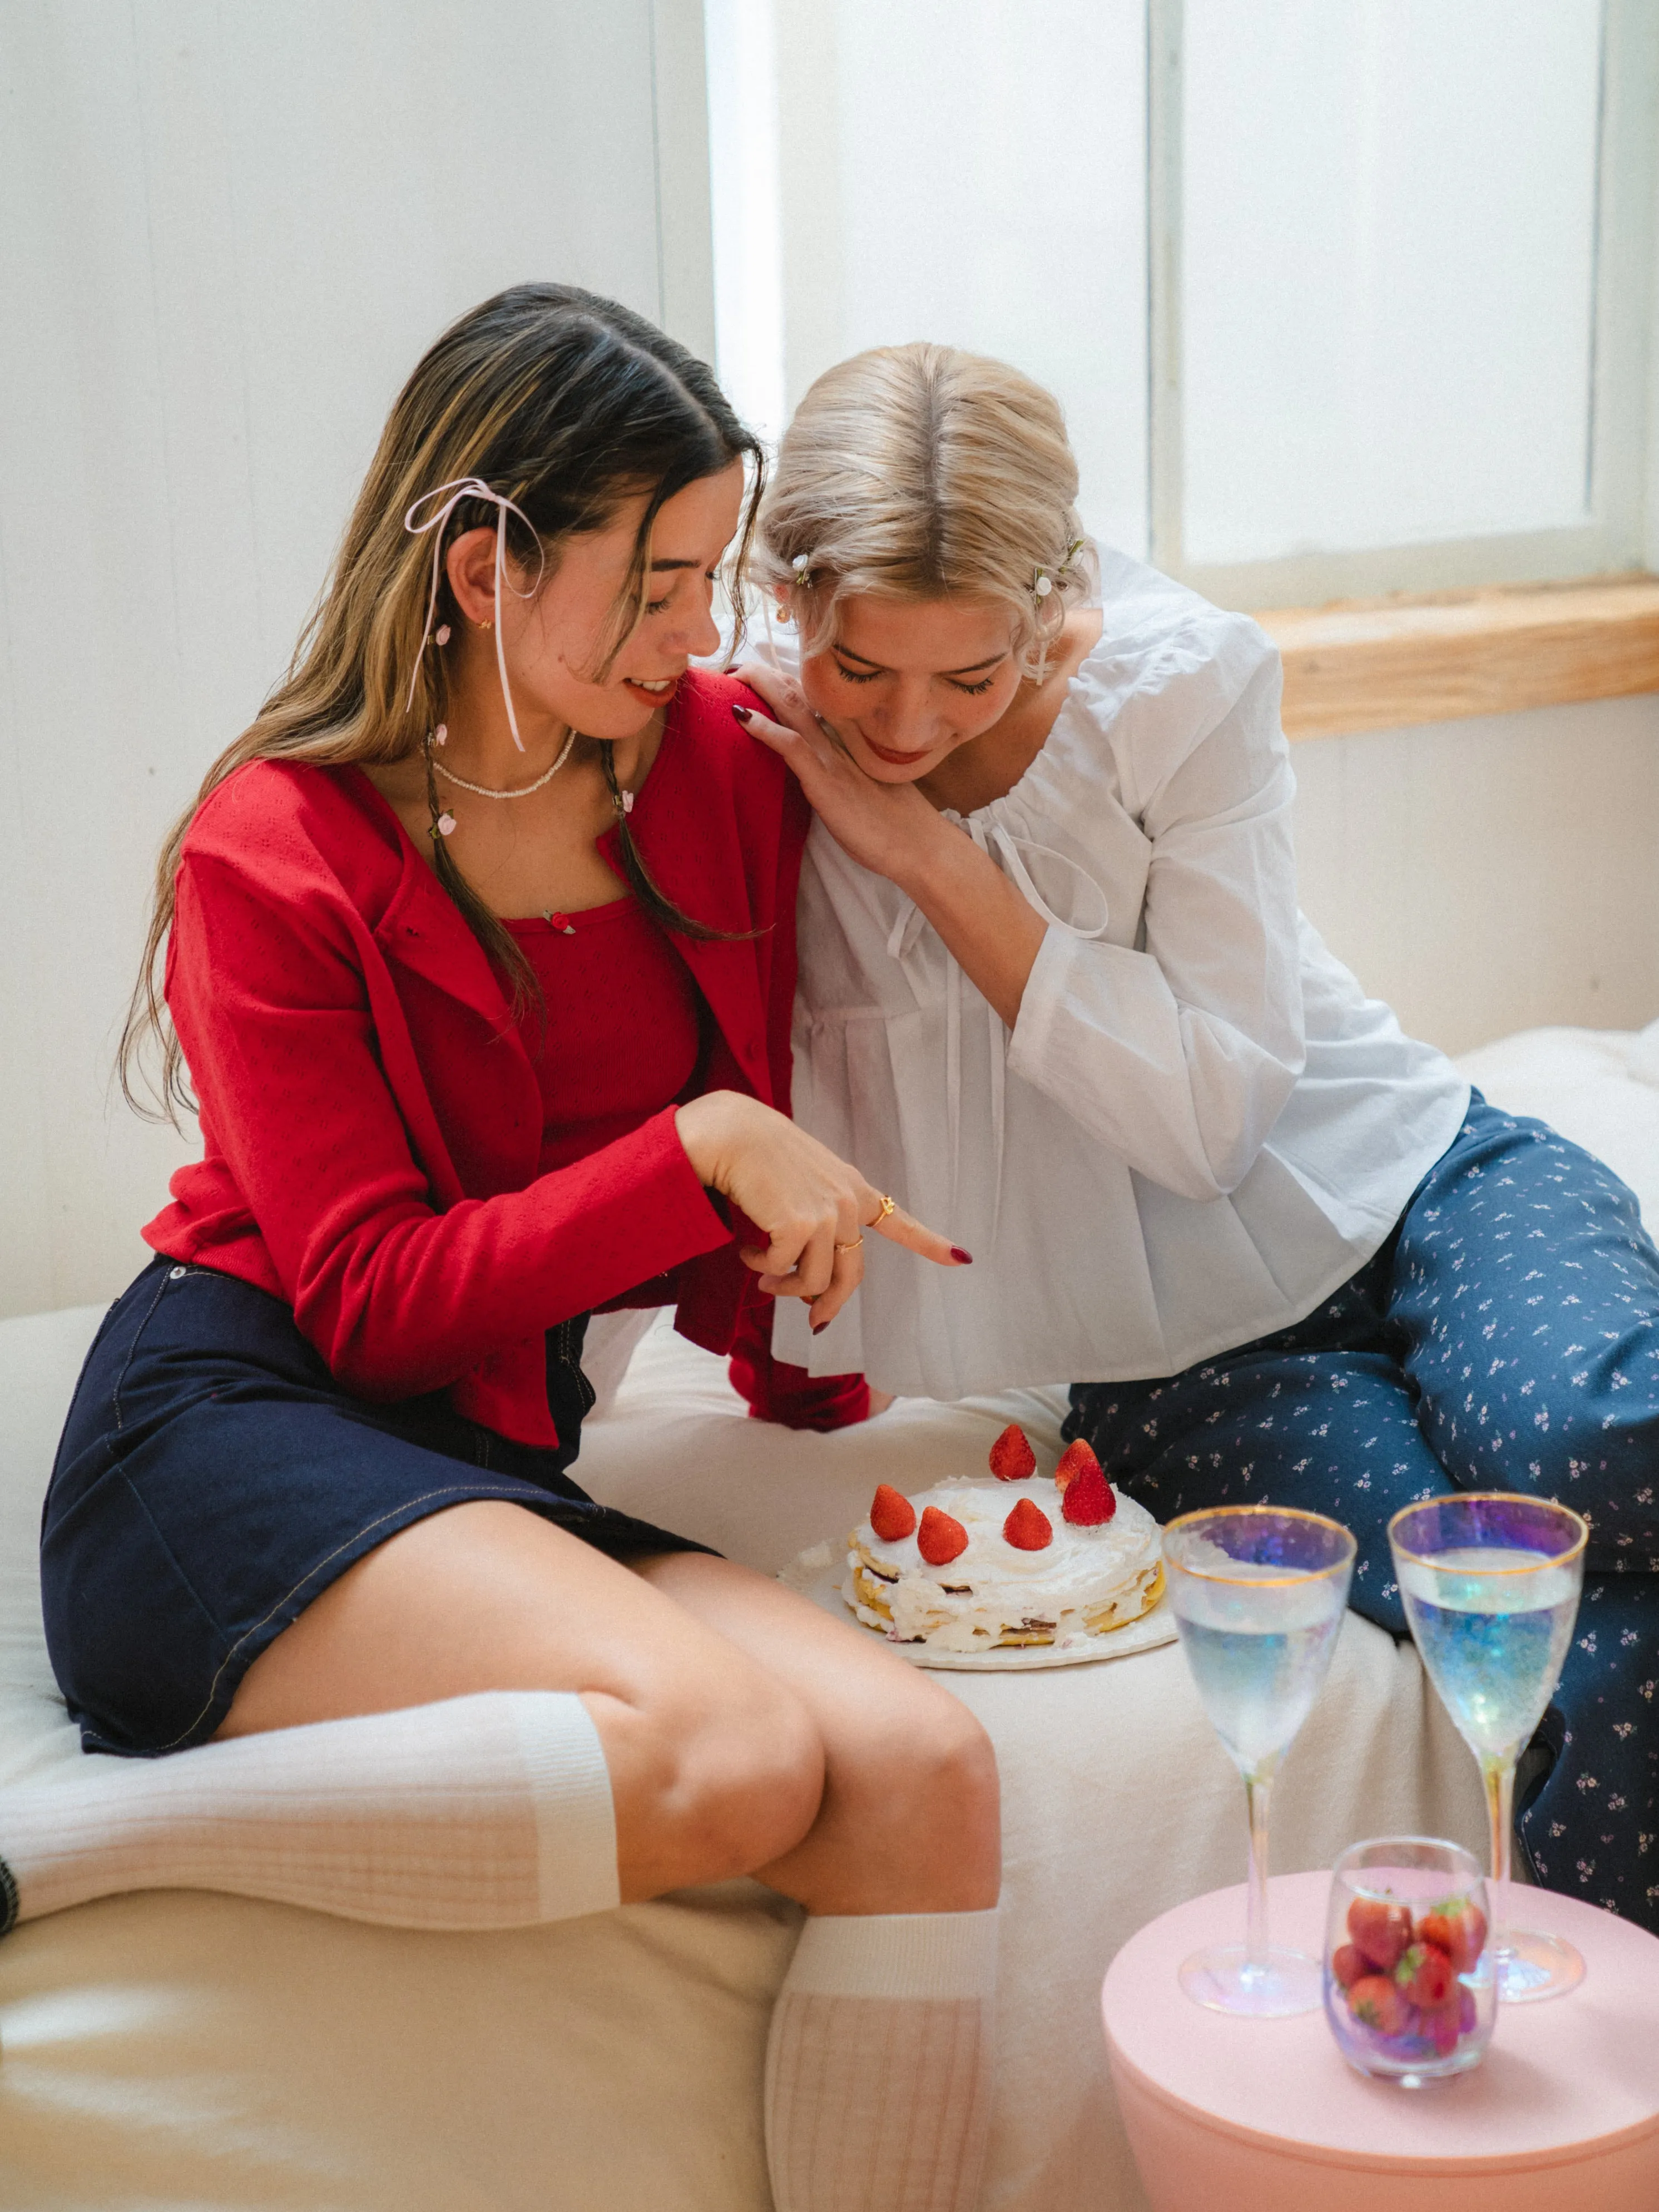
[974, 1562]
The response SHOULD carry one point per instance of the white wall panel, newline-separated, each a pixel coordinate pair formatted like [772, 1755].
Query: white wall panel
[1491, 875]
[229, 231]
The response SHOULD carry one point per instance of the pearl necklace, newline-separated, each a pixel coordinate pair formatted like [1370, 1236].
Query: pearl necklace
[483, 790]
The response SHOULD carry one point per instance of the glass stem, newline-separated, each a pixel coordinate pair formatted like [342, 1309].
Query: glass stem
[1257, 1789]
[1498, 1775]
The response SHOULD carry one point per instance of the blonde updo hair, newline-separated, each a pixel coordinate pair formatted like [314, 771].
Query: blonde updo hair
[919, 472]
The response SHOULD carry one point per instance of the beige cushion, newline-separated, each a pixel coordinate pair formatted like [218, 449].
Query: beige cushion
[182, 2049]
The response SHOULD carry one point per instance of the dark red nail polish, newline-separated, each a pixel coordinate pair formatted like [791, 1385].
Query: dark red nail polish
[741, 713]
[963, 1259]
[819, 1327]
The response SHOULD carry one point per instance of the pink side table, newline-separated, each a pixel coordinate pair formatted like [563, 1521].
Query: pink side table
[1264, 2116]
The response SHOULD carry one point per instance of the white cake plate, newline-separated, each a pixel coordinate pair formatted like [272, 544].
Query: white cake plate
[821, 1573]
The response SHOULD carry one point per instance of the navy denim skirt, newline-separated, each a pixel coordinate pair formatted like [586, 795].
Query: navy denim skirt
[213, 1478]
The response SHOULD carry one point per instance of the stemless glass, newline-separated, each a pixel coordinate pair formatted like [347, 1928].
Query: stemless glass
[1258, 1594]
[1409, 1975]
[1491, 1584]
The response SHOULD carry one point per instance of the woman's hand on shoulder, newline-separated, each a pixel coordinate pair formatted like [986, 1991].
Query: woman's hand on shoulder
[889, 828]
[812, 1207]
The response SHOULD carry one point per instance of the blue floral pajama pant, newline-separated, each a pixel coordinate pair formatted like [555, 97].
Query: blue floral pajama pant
[1505, 1337]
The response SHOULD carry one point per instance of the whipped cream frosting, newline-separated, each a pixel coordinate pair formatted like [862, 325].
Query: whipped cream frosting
[992, 1589]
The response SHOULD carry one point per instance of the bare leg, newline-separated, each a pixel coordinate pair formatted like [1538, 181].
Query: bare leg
[909, 1820]
[744, 1730]
[715, 1766]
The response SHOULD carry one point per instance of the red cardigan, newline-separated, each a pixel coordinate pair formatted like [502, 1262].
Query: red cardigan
[370, 1116]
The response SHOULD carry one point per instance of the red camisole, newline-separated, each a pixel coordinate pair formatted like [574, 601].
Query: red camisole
[621, 1036]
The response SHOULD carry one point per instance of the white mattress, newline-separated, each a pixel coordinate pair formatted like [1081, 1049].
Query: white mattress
[1600, 1087]
[207, 2054]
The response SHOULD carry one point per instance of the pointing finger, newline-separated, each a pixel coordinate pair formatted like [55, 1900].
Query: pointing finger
[902, 1228]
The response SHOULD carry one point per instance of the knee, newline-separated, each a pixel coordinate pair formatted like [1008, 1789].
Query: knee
[1570, 1448]
[749, 1784]
[928, 1800]
[955, 1768]
[722, 1784]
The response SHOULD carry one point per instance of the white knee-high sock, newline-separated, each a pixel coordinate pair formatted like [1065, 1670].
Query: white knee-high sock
[484, 1812]
[878, 2069]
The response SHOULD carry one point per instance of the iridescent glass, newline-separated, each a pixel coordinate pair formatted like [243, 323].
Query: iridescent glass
[1258, 1594]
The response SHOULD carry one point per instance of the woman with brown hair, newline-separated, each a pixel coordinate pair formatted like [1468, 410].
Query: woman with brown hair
[479, 954]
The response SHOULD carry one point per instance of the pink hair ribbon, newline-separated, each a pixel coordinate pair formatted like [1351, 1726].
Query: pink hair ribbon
[459, 489]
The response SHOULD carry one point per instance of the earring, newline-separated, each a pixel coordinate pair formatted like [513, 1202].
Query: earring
[486, 624]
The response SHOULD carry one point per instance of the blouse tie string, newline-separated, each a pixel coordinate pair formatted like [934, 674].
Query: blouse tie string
[1003, 848]
[458, 488]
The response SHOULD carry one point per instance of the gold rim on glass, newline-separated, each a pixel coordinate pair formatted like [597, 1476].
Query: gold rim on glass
[1431, 1559]
[1278, 1513]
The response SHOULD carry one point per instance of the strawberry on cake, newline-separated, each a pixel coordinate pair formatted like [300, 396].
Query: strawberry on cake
[971, 1564]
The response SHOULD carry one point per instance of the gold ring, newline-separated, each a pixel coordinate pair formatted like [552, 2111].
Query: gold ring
[887, 1208]
[853, 1246]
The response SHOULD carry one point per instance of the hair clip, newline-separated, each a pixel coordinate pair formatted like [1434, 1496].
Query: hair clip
[440, 635]
[801, 564]
[1044, 583]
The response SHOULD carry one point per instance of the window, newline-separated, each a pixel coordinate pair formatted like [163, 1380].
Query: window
[1399, 271]
[1342, 296]
[885, 170]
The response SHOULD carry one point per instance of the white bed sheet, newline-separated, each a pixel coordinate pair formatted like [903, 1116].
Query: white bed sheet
[1600, 1087]
[195, 2052]
[208, 2054]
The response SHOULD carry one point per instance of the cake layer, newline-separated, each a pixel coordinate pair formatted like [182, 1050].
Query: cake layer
[1087, 1581]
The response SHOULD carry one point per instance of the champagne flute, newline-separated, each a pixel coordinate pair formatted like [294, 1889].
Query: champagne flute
[1258, 1594]
[1491, 1584]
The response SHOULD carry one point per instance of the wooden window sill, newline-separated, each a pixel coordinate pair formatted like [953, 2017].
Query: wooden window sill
[1377, 664]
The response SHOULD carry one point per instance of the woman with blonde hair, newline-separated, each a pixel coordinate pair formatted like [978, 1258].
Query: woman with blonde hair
[478, 951]
[1054, 987]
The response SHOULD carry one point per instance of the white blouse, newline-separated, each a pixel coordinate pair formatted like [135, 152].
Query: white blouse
[1198, 1127]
